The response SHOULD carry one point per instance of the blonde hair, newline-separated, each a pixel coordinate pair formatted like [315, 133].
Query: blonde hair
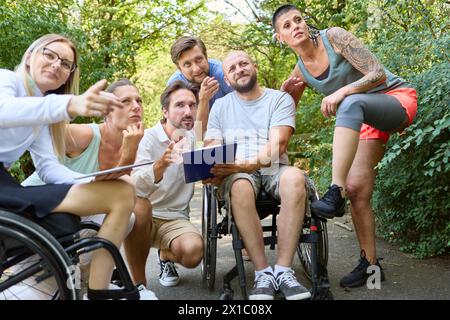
[71, 86]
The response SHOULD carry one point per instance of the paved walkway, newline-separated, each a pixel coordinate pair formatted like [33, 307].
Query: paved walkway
[407, 277]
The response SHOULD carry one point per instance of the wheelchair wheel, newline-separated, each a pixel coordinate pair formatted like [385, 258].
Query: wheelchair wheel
[33, 265]
[209, 233]
[304, 249]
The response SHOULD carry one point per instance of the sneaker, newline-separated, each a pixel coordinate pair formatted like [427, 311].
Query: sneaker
[290, 287]
[144, 293]
[331, 204]
[169, 276]
[264, 287]
[358, 277]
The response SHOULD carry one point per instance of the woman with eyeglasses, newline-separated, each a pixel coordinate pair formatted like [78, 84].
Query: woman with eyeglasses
[369, 103]
[36, 102]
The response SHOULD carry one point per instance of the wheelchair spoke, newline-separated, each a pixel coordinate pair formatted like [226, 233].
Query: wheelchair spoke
[25, 281]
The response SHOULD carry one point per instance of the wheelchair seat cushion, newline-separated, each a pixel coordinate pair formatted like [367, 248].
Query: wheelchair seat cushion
[265, 196]
[60, 224]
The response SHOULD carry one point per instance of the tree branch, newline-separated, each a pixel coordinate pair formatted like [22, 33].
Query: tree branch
[239, 10]
[154, 33]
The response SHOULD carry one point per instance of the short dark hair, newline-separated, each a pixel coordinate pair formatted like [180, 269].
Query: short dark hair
[280, 11]
[119, 83]
[183, 44]
[175, 86]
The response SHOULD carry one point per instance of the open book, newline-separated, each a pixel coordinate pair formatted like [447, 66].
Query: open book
[198, 163]
[116, 169]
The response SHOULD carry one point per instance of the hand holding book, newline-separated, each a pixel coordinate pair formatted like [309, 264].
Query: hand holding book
[198, 163]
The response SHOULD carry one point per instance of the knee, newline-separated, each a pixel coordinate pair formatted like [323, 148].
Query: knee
[352, 108]
[142, 209]
[292, 183]
[124, 196]
[357, 192]
[241, 190]
[192, 253]
[351, 103]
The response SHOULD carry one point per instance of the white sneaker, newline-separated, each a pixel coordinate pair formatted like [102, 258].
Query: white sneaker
[113, 286]
[146, 294]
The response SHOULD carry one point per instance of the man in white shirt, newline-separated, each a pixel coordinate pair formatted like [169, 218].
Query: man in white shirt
[162, 209]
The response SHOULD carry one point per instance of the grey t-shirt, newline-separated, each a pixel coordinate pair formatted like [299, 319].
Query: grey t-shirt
[248, 123]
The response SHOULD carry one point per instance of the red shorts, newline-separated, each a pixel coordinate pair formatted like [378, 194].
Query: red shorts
[408, 99]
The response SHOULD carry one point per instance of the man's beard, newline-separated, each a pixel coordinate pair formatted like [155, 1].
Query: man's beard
[246, 87]
[180, 125]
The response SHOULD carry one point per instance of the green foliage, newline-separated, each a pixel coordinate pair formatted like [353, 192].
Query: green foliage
[22, 22]
[151, 80]
[412, 204]
[411, 195]
[109, 35]
[20, 170]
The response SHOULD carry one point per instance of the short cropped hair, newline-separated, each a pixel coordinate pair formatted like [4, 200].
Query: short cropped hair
[175, 86]
[183, 44]
[280, 11]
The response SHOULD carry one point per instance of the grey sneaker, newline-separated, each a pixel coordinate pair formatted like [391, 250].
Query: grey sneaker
[264, 287]
[290, 287]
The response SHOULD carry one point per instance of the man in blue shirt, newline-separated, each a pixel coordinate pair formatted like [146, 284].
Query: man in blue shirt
[189, 55]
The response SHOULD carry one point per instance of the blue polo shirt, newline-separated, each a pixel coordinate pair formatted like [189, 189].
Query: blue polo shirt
[215, 70]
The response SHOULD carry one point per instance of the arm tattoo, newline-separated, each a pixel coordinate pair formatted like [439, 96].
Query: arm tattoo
[359, 56]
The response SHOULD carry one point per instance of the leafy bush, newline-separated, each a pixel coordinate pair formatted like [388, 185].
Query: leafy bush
[411, 197]
[314, 139]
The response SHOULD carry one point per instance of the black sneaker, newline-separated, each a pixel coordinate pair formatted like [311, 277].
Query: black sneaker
[169, 276]
[358, 277]
[290, 287]
[264, 287]
[331, 204]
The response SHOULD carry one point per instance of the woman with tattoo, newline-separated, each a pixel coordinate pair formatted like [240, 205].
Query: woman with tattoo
[369, 102]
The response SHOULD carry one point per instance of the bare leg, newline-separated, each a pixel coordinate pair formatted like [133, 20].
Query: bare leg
[292, 212]
[360, 183]
[247, 221]
[137, 244]
[116, 199]
[187, 250]
[345, 143]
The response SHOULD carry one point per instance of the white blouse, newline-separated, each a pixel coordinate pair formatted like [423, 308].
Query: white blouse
[24, 126]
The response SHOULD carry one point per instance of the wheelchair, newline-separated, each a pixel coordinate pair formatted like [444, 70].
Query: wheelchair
[312, 249]
[39, 258]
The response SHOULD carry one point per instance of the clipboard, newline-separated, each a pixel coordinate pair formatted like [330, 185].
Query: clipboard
[116, 169]
[198, 163]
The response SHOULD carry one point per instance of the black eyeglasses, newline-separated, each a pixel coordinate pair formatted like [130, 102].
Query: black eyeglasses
[51, 56]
